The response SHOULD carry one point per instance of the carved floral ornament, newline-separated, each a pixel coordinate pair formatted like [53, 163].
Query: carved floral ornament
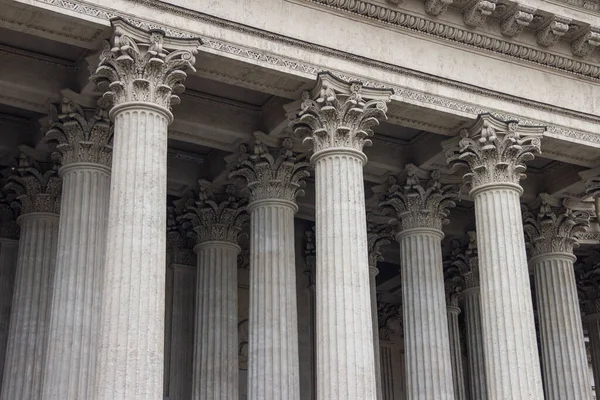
[422, 202]
[587, 273]
[179, 248]
[272, 173]
[215, 217]
[339, 114]
[494, 151]
[80, 137]
[464, 261]
[9, 211]
[36, 189]
[554, 227]
[378, 236]
[141, 66]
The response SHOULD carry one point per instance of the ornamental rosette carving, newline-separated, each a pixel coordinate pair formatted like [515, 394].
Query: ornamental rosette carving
[494, 151]
[80, 137]
[36, 189]
[423, 201]
[587, 274]
[215, 217]
[272, 174]
[339, 114]
[378, 236]
[140, 66]
[553, 227]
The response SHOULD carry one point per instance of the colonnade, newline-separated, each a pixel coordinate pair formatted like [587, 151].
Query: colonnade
[87, 319]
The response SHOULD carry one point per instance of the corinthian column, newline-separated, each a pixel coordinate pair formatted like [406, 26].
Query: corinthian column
[9, 245]
[377, 236]
[495, 153]
[142, 72]
[337, 117]
[453, 286]
[468, 265]
[217, 222]
[39, 195]
[274, 179]
[422, 209]
[550, 234]
[85, 148]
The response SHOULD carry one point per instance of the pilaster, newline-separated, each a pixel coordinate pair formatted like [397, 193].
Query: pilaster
[38, 193]
[216, 220]
[274, 178]
[337, 119]
[421, 206]
[494, 153]
[84, 146]
[141, 73]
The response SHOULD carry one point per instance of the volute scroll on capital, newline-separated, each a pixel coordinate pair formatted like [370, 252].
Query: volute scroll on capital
[272, 173]
[36, 189]
[141, 66]
[553, 227]
[340, 115]
[494, 151]
[81, 137]
[215, 216]
[422, 202]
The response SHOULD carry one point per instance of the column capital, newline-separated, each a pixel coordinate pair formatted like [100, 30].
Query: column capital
[81, 137]
[587, 274]
[454, 282]
[553, 226]
[494, 151]
[9, 228]
[340, 115]
[215, 216]
[179, 247]
[272, 174]
[378, 236]
[36, 189]
[423, 201]
[142, 66]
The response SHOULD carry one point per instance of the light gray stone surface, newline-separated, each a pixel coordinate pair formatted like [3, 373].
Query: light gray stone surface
[373, 272]
[28, 330]
[474, 340]
[8, 265]
[458, 373]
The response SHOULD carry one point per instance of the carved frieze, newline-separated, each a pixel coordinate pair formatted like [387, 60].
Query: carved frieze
[553, 227]
[422, 202]
[140, 66]
[215, 216]
[37, 189]
[81, 136]
[338, 114]
[272, 173]
[494, 151]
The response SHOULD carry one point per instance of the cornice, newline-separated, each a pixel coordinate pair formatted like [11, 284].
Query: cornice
[307, 69]
[585, 5]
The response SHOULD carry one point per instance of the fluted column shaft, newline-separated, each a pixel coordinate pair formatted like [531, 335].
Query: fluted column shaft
[345, 357]
[564, 361]
[131, 348]
[74, 314]
[8, 263]
[592, 323]
[460, 391]
[28, 331]
[373, 272]
[511, 356]
[475, 352]
[273, 368]
[426, 340]
[216, 334]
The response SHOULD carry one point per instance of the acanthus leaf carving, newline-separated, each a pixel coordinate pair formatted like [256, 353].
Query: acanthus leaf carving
[453, 275]
[587, 273]
[417, 204]
[494, 151]
[378, 236]
[587, 42]
[476, 13]
[36, 189]
[338, 114]
[81, 137]
[390, 320]
[143, 66]
[554, 227]
[9, 212]
[278, 174]
[550, 32]
[179, 244]
[215, 217]
[517, 20]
